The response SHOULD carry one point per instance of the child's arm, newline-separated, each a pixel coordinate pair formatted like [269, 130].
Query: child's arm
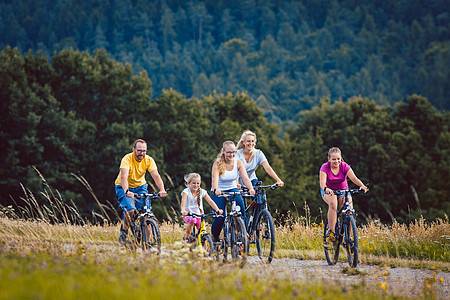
[183, 204]
[213, 204]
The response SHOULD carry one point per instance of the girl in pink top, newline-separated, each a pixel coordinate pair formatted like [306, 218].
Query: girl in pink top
[333, 176]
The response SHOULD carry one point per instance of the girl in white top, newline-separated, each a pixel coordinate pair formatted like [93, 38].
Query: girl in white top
[225, 172]
[252, 158]
[191, 201]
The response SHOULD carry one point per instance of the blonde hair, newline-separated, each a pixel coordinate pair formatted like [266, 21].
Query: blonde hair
[241, 145]
[188, 178]
[334, 150]
[220, 160]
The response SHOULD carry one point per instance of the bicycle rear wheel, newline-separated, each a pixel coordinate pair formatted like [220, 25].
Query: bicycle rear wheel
[151, 237]
[265, 236]
[207, 244]
[351, 241]
[239, 240]
[331, 249]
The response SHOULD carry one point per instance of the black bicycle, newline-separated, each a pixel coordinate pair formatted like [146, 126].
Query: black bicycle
[260, 226]
[345, 232]
[144, 227]
[234, 232]
[201, 237]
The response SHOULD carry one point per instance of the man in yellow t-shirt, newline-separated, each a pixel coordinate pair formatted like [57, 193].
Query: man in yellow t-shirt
[131, 180]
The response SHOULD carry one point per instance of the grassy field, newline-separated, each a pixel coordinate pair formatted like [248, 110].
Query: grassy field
[40, 260]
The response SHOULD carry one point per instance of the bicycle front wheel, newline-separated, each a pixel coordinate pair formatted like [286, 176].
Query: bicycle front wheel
[239, 240]
[329, 247]
[265, 236]
[351, 241]
[151, 237]
[207, 244]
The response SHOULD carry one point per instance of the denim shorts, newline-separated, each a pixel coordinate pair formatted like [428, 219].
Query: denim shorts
[127, 203]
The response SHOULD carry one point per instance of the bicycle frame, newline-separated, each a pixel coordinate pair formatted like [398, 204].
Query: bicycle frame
[201, 235]
[345, 230]
[258, 203]
[235, 239]
[260, 226]
[147, 223]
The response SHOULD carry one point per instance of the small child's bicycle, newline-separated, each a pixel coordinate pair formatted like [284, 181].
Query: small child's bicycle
[201, 237]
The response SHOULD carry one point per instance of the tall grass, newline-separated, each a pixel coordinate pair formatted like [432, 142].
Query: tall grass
[298, 237]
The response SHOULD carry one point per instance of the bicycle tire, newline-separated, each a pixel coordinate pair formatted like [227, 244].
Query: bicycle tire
[331, 251]
[136, 235]
[221, 247]
[207, 244]
[265, 236]
[239, 240]
[351, 241]
[153, 241]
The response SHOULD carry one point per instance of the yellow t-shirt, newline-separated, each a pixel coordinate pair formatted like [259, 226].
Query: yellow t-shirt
[136, 175]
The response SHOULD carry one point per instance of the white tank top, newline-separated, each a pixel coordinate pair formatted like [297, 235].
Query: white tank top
[228, 179]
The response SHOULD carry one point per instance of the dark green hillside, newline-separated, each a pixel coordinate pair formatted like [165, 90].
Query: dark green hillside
[286, 54]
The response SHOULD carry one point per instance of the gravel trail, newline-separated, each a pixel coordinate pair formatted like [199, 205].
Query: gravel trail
[401, 281]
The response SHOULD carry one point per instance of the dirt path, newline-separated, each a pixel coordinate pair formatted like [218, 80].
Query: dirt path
[401, 281]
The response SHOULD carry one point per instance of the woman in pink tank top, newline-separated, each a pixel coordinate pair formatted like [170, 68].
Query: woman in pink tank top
[333, 176]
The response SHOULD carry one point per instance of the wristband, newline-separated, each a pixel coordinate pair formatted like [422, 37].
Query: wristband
[214, 191]
[127, 191]
[324, 189]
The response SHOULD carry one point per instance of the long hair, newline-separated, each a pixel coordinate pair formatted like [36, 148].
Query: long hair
[240, 144]
[188, 178]
[221, 163]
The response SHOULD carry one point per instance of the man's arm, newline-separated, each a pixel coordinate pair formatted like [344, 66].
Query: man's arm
[159, 183]
[124, 181]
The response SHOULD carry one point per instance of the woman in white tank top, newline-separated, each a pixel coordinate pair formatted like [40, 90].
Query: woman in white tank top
[225, 172]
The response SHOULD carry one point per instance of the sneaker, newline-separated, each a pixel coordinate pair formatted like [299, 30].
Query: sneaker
[123, 236]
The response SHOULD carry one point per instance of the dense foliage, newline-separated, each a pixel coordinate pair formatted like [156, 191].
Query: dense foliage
[79, 114]
[286, 54]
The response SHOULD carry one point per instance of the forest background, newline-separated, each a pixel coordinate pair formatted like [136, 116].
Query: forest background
[81, 80]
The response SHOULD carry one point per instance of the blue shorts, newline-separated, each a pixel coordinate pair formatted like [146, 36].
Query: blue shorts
[322, 192]
[127, 203]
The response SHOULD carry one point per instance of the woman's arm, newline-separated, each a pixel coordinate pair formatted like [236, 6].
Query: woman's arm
[356, 181]
[183, 204]
[323, 183]
[244, 176]
[213, 204]
[272, 173]
[215, 179]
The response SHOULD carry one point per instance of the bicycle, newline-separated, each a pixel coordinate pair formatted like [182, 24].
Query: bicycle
[144, 227]
[201, 237]
[345, 232]
[234, 232]
[261, 232]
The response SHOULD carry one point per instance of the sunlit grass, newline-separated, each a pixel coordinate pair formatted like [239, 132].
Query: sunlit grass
[418, 244]
[51, 270]
[55, 253]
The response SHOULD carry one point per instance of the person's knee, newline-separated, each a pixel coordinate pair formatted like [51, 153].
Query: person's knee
[332, 205]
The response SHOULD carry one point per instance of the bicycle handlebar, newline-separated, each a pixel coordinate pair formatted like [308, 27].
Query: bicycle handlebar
[152, 195]
[351, 191]
[261, 187]
[228, 194]
[213, 213]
